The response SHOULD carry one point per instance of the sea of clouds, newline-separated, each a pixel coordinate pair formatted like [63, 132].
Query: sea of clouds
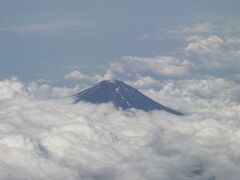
[52, 138]
[43, 135]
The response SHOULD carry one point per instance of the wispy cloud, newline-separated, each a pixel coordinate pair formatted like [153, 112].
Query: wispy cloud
[195, 28]
[200, 28]
[43, 28]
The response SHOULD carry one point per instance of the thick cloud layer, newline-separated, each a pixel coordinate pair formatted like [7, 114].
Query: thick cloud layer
[55, 139]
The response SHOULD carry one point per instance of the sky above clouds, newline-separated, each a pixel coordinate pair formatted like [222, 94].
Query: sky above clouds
[50, 38]
[185, 55]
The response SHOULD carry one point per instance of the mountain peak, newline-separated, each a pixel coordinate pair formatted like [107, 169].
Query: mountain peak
[121, 95]
[111, 82]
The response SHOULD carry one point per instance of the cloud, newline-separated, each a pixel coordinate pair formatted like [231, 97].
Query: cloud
[42, 28]
[217, 56]
[209, 49]
[76, 75]
[10, 88]
[181, 32]
[197, 28]
[203, 93]
[144, 82]
[138, 69]
[213, 27]
[13, 88]
[200, 44]
[201, 56]
[46, 91]
[204, 27]
[166, 66]
[61, 140]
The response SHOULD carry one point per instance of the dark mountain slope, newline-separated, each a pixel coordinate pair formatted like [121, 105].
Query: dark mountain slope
[121, 95]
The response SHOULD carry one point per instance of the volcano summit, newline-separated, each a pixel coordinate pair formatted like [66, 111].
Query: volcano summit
[121, 95]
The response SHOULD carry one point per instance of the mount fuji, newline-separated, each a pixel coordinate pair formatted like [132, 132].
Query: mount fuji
[121, 95]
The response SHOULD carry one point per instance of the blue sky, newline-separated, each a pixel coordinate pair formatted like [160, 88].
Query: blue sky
[47, 39]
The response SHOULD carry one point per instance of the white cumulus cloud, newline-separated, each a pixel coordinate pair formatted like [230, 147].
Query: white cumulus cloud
[165, 66]
[10, 88]
[76, 75]
[55, 139]
[204, 45]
